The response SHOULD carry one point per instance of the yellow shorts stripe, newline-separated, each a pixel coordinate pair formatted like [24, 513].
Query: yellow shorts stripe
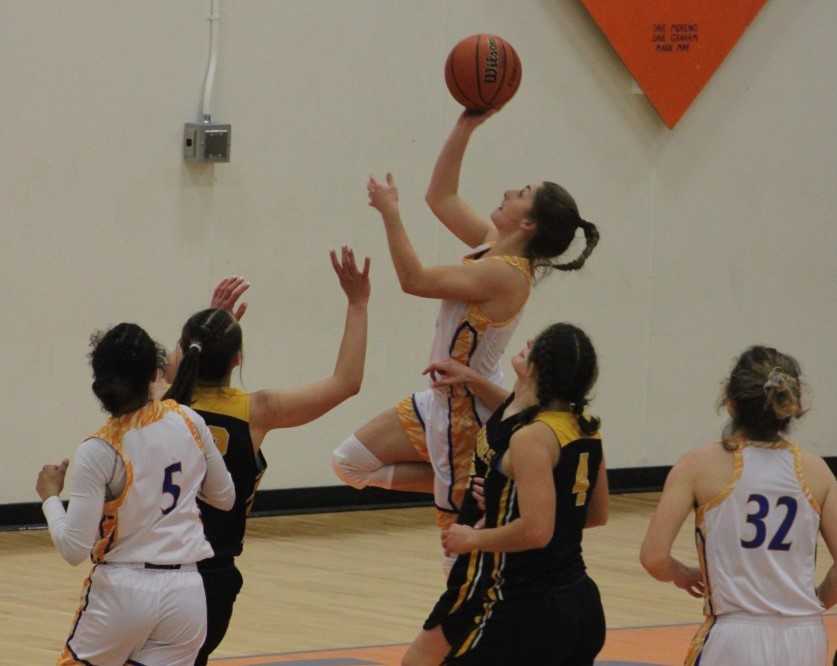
[699, 641]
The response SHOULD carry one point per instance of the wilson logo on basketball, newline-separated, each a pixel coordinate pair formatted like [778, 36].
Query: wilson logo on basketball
[492, 60]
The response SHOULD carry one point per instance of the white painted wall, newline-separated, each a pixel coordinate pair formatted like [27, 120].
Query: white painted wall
[716, 235]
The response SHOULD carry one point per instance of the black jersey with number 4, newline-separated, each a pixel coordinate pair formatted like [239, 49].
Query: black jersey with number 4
[227, 413]
[560, 562]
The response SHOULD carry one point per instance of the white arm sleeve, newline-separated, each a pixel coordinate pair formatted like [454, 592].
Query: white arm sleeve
[74, 532]
[217, 489]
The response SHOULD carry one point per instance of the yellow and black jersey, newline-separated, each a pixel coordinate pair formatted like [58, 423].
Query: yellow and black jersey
[560, 562]
[227, 413]
[535, 606]
[462, 575]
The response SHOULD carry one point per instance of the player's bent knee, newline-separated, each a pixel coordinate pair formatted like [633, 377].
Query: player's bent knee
[354, 464]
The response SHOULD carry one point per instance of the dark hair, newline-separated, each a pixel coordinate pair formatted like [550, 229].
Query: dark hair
[555, 214]
[565, 362]
[210, 340]
[765, 393]
[125, 360]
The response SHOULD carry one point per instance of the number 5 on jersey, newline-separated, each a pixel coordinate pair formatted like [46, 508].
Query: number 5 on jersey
[170, 487]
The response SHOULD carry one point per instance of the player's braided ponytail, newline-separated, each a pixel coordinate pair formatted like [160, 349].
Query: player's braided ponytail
[557, 219]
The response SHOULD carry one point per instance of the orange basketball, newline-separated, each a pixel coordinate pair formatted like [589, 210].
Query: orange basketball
[483, 72]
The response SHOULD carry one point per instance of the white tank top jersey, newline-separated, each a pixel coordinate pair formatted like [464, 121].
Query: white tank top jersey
[757, 540]
[466, 334]
[156, 519]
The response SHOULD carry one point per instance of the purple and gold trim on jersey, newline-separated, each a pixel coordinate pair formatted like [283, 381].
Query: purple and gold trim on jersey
[693, 657]
[800, 476]
[413, 426]
[700, 530]
[112, 433]
[700, 544]
[476, 316]
[67, 656]
[464, 423]
[193, 430]
[738, 467]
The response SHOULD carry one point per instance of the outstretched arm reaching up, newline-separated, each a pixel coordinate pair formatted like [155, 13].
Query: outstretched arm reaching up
[287, 408]
[443, 191]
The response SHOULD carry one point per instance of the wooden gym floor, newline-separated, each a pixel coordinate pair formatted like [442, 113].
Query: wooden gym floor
[321, 588]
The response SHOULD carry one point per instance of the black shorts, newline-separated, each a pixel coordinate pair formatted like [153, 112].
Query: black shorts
[221, 582]
[562, 627]
[458, 604]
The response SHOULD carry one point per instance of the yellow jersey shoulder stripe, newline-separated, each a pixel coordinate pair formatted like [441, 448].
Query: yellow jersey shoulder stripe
[223, 400]
[565, 426]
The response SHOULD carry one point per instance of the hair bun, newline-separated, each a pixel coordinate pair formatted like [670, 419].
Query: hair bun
[782, 391]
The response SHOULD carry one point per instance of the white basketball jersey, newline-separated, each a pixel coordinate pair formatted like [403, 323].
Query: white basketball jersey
[466, 334]
[155, 519]
[757, 540]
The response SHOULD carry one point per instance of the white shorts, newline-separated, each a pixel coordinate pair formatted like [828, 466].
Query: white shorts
[133, 615]
[443, 427]
[739, 639]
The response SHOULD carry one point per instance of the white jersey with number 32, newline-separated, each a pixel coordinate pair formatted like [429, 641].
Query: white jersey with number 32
[758, 539]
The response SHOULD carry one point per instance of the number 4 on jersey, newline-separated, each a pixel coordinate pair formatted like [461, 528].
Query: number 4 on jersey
[582, 481]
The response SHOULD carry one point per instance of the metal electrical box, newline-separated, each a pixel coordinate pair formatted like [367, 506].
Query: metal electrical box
[206, 142]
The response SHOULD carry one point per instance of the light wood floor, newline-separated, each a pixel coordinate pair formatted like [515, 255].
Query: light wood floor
[335, 580]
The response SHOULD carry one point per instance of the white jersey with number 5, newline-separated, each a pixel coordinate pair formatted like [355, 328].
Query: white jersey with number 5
[155, 518]
[757, 540]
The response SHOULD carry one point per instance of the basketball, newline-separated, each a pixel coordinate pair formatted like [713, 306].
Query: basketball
[483, 72]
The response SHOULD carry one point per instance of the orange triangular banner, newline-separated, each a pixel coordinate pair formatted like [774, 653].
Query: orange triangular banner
[673, 47]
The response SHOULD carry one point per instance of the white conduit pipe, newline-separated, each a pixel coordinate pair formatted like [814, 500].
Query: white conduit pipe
[209, 80]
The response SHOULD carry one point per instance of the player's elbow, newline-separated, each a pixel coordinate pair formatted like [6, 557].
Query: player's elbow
[652, 561]
[434, 200]
[223, 502]
[351, 387]
[411, 284]
[538, 535]
[346, 385]
[74, 556]
[595, 521]
[597, 518]
[224, 499]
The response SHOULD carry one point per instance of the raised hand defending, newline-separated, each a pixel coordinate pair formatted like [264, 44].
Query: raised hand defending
[227, 292]
[355, 283]
[383, 196]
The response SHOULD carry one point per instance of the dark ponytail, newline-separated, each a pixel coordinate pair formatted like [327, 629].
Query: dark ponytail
[557, 219]
[125, 360]
[209, 341]
[591, 237]
[588, 424]
[183, 386]
[567, 368]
